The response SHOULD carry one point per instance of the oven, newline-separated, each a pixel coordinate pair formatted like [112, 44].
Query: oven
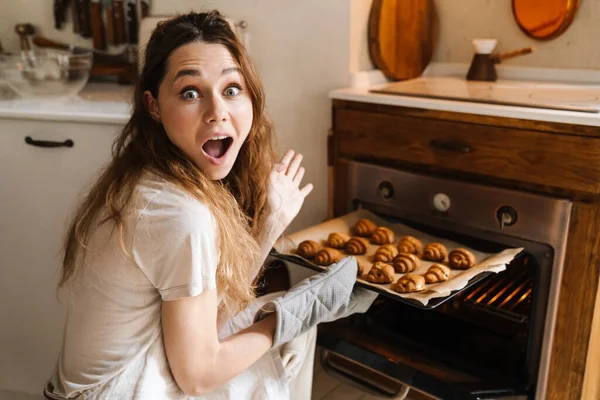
[490, 340]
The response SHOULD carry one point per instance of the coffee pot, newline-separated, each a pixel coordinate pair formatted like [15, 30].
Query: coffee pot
[483, 65]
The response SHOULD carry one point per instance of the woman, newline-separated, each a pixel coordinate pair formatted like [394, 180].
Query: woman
[163, 252]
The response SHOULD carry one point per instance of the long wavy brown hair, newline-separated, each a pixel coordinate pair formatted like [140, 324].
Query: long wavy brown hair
[237, 202]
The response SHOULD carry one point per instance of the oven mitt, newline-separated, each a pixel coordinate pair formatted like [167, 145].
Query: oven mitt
[324, 297]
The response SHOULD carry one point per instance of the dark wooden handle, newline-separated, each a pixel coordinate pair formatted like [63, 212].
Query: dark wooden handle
[119, 21]
[132, 25]
[110, 25]
[84, 19]
[450, 145]
[60, 8]
[75, 15]
[48, 143]
[98, 37]
[41, 41]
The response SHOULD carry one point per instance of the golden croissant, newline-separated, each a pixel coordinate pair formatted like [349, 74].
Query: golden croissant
[357, 246]
[435, 252]
[337, 240]
[409, 244]
[405, 262]
[381, 273]
[364, 227]
[409, 283]
[382, 235]
[308, 249]
[328, 256]
[461, 259]
[437, 273]
[363, 268]
[385, 253]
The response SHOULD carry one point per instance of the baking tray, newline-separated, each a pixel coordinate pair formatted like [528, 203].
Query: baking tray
[489, 261]
[433, 303]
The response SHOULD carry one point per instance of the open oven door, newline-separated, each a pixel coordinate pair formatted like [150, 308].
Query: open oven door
[385, 369]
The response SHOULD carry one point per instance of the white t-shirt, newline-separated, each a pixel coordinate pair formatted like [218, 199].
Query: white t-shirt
[113, 337]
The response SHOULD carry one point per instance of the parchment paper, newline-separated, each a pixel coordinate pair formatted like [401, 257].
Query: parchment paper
[458, 278]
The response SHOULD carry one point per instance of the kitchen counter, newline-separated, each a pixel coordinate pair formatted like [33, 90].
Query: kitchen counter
[106, 103]
[447, 83]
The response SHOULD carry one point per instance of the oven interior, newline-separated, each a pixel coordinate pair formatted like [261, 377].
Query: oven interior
[484, 342]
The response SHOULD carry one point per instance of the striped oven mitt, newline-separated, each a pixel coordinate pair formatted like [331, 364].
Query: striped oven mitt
[324, 297]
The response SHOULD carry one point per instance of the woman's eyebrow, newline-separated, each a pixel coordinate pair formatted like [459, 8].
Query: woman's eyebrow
[196, 72]
[187, 72]
[229, 70]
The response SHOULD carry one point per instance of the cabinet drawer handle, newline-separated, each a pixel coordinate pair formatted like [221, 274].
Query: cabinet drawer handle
[48, 143]
[450, 146]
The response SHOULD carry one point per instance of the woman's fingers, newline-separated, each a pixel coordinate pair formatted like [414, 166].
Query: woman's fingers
[299, 175]
[280, 167]
[294, 165]
[306, 190]
[287, 157]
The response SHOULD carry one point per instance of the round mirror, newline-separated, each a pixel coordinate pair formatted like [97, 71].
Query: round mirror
[544, 19]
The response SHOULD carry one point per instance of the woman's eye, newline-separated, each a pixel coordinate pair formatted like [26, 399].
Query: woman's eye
[232, 91]
[190, 94]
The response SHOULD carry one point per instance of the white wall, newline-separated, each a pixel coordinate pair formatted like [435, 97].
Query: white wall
[461, 21]
[301, 49]
[464, 20]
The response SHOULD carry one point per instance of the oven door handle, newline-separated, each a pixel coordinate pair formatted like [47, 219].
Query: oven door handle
[355, 381]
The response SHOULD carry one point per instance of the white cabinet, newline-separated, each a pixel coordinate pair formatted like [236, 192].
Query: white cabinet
[39, 190]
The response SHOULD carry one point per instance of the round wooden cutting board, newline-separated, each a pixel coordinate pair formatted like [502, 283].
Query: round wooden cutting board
[401, 37]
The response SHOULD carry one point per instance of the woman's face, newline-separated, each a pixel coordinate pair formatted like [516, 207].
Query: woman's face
[204, 106]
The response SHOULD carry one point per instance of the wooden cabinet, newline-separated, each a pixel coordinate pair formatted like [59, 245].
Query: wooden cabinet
[40, 188]
[473, 148]
[550, 158]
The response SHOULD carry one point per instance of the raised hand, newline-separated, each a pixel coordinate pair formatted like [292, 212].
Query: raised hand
[284, 195]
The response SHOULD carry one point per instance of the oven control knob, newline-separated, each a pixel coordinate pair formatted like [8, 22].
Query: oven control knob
[441, 202]
[506, 216]
[385, 190]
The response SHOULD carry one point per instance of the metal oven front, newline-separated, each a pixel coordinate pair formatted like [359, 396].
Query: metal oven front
[488, 341]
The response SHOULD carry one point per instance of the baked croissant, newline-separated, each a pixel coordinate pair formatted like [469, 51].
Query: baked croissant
[461, 259]
[308, 248]
[435, 252]
[363, 268]
[409, 283]
[382, 235]
[385, 253]
[409, 244]
[364, 227]
[437, 273]
[328, 256]
[357, 246]
[381, 273]
[405, 262]
[337, 240]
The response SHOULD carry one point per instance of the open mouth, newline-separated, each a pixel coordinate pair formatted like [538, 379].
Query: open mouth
[217, 147]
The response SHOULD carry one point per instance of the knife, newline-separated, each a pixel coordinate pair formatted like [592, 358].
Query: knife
[60, 7]
[132, 22]
[84, 18]
[145, 8]
[110, 23]
[97, 24]
[75, 15]
[119, 20]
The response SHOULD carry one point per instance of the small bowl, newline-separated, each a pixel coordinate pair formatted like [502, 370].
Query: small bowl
[46, 73]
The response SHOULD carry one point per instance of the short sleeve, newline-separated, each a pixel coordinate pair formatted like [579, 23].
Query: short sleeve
[174, 244]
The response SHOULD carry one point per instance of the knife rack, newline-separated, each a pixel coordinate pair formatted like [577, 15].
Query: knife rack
[107, 23]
